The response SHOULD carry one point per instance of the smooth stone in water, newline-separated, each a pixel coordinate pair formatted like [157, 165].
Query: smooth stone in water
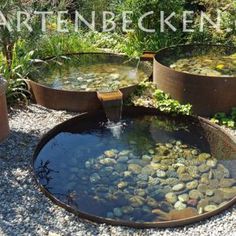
[221, 172]
[107, 161]
[137, 201]
[211, 163]
[181, 170]
[123, 159]
[143, 177]
[153, 181]
[110, 153]
[205, 178]
[170, 181]
[192, 185]
[202, 188]
[178, 187]
[127, 173]
[192, 202]
[209, 193]
[148, 170]
[120, 167]
[226, 183]
[127, 209]
[204, 156]
[156, 159]
[146, 158]
[195, 194]
[122, 185]
[218, 197]
[87, 165]
[171, 174]
[175, 214]
[202, 204]
[140, 192]
[210, 208]
[152, 202]
[171, 197]
[213, 183]
[180, 205]
[134, 168]
[185, 177]
[203, 168]
[161, 173]
[183, 214]
[159, 193]
[151, 151]
[124, 153]
[183, 197]
[229, 193]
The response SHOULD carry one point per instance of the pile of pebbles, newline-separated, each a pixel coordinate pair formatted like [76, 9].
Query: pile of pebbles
[171, 177]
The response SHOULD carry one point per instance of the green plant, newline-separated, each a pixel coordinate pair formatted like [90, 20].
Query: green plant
[16, 55]
[17, 72]
[228, 120]
[56, 44]
[148, 95]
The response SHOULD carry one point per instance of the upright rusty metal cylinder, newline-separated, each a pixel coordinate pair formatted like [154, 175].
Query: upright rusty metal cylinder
[4, 126]
[207, 94]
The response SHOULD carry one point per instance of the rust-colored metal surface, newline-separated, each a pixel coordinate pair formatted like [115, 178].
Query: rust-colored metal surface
[77, 101]
[112, 104]
[207, 94]
[148, 56]
[218, 140]
[115, 95]
[4, 126]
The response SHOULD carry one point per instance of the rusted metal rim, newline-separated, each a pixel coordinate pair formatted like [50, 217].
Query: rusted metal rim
[131, 110]
[160, 53]
[148, 72]
[148, 56]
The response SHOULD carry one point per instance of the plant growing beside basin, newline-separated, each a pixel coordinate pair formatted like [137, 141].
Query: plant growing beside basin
[228, 120]
[148, 95]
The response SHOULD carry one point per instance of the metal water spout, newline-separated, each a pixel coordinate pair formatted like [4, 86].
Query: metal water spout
[112, 104]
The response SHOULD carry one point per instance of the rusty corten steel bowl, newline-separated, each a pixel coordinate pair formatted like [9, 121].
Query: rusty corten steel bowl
[207, 94]
[77, 101]
[4, 126]
[220, 144]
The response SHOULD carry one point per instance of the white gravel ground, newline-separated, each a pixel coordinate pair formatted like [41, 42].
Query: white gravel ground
[24, 210]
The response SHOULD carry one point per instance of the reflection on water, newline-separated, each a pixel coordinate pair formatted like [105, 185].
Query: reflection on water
[140, 170]
[209, 61]
[90, 73]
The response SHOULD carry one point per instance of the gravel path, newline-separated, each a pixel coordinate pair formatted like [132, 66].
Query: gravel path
[24, 210]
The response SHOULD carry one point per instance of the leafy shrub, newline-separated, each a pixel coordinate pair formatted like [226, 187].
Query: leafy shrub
[148, 95]
[17, 72]
[228, 120]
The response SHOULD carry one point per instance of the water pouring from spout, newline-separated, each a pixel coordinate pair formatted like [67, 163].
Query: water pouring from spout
[133, 73]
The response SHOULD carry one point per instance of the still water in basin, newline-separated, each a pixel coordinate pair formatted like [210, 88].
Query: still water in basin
[144, 169]
[208, 61]
[90, 72]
